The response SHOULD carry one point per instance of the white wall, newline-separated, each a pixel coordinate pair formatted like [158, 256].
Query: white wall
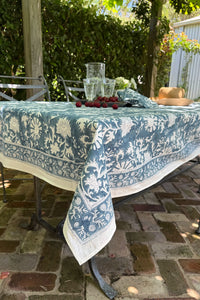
[180, 58]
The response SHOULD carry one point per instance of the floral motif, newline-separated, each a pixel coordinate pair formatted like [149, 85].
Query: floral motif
[35, 128]
[97, 152]
[14, 124]
[25, 120]
[92, 182]
[63, 128]
[54, 148]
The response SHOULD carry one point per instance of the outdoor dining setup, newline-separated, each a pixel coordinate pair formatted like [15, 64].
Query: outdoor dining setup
[93, 86]
[98, 152]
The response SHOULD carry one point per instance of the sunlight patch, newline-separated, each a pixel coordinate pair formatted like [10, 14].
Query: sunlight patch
[133, 290]
[193, 294]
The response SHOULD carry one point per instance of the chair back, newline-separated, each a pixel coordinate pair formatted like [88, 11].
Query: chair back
[36, 88]
[73, 89]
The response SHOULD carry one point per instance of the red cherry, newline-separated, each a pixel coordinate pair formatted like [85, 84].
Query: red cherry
[97, 104]
[99, 98]
[113, 99]
[91, 104]
[105, 105]
[115, 106]
[78, 104]
[86, 104]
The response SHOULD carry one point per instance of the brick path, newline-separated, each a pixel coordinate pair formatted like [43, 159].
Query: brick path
[154, 253]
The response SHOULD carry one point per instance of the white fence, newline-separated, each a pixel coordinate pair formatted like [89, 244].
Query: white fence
[185, 68]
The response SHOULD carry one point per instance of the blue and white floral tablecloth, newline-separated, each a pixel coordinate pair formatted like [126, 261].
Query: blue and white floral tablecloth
[98, 153]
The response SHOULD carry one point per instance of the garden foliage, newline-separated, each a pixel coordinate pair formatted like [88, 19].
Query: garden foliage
[11, 37]
[72, 36]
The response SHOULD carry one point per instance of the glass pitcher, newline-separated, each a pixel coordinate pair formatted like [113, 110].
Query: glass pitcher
[95, 70]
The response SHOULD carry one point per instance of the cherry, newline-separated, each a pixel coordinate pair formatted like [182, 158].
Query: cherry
[91, 104]
[97, 104]
[115, 106]
[105, 105]
[99, 98]
[113, 99]
[78, 104]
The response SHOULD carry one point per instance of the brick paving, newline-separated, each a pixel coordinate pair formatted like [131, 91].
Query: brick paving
[153, 255]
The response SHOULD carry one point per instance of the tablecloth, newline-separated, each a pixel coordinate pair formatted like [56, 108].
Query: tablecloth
[99, 153]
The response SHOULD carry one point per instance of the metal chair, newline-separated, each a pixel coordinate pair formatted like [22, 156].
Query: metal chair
[74, 89]
[9, 90]
[7, 83]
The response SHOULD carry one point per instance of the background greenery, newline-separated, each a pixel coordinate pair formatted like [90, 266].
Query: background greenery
[74, 34]
[11, 37]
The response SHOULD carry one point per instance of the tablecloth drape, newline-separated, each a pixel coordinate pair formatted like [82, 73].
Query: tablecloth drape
[99, 153]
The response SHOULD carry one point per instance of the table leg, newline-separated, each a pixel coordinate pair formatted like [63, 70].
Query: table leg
[59, 229]
[198, 229]
[37, 217]
[108, 290]
[3, 183]
[37, 220]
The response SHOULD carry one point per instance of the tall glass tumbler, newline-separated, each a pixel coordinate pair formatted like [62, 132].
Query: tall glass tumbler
[96, 70]
[108, 87]
[90, 88]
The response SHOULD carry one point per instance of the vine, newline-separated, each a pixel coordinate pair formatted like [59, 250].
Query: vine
[184, 72]
[171, 43]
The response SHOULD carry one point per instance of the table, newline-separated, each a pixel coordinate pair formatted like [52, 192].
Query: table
[99, 153]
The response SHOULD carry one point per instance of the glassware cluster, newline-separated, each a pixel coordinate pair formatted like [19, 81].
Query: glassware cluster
[95, 83]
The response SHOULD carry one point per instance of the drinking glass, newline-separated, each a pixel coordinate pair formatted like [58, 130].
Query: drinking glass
[96, 70]
[90, 88]
[108, 87]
